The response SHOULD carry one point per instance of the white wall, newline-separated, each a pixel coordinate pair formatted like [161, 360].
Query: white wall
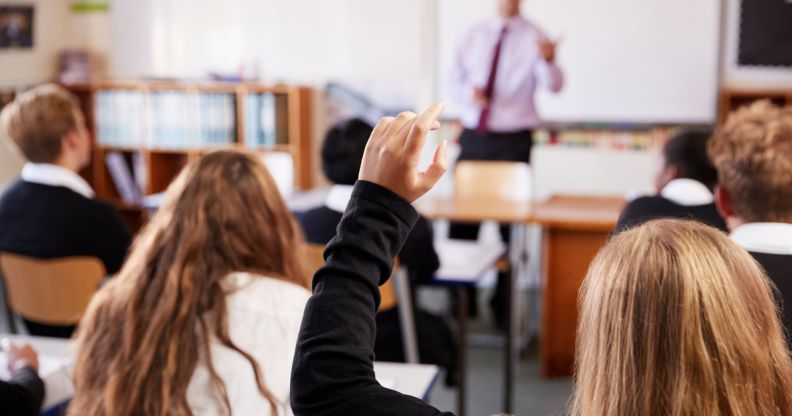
[374, 45]
[30, 66]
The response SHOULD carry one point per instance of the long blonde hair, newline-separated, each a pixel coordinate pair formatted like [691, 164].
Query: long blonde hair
[146, 331]
[675, 319]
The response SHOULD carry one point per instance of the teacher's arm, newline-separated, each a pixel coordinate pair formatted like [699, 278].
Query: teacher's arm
[547, 70]
[332, 371]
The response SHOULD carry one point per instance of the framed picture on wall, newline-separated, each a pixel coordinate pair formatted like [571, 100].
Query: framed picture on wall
[765, 33]
[16, 27]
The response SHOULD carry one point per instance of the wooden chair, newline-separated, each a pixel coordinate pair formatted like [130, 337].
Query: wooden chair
[493, 181]
[396, 290]
[314, 259]
[52, 292]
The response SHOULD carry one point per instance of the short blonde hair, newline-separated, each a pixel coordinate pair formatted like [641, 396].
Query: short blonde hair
[38, 119]
[675, 319]
[753, 155]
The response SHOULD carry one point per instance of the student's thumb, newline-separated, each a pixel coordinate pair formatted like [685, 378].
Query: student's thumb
[437, 169]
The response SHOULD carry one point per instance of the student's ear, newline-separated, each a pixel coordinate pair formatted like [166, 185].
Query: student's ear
[667, 174]
[723, 201]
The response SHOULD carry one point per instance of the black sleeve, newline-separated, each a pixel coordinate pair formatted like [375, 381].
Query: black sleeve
[115, 240]
[332, 372]
[22, 395]
[418, 253]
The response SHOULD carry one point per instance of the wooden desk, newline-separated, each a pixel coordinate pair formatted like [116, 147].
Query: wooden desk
[477, 211]
[473, 210]
[574, 229]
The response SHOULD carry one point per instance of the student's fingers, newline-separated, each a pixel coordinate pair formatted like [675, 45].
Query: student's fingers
[397, 133]
[417, 138]
[379, 130]
[436, 125]
[437, 169]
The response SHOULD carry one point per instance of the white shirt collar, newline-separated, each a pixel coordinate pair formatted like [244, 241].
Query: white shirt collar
[764, 237]
[339, 197]
[54, 175]
[687, 192]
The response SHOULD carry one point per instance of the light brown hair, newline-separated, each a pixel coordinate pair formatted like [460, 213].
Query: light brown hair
[675, 319]
[753, 155]
[146, 331]
[38, 119]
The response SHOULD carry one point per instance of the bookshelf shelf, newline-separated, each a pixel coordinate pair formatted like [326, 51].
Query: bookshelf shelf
[733, 98]
[159, 126]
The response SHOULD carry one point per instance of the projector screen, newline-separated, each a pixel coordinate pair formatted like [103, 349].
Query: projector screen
[625, 61]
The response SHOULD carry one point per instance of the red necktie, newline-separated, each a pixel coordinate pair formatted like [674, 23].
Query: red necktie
[489, 89]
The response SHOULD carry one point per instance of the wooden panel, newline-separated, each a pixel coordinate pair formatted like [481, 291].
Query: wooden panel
[568, 254]
[580, 213]
[163, 169]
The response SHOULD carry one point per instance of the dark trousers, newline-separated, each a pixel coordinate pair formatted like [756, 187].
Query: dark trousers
[508, 147]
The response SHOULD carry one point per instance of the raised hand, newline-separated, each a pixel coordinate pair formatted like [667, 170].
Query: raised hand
[20, 356]
[394, 150]
[547, 49]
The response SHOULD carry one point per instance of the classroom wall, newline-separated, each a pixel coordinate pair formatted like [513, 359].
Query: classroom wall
[31, 66]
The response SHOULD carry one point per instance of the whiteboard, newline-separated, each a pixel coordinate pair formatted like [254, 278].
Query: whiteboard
[625, 61]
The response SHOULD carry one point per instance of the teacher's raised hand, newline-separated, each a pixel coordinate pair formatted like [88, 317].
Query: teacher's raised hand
[547, 49]
[394, 150]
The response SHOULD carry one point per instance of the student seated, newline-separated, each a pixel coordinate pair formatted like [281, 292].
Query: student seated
[332, 373]
[24, 393]
[203, 317]
[676, 319]
[753, 155]
[342, 153]
[50, 211]
[685, 186]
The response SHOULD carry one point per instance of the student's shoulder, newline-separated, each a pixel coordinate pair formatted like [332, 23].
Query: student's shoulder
[651, 202]
[254, 291]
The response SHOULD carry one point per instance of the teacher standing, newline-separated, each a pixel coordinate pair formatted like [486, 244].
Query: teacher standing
[499, 66]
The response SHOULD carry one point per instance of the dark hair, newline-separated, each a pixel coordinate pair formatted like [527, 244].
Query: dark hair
[687, 151]
[343, 148]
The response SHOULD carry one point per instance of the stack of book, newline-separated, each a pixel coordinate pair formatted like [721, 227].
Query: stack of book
[261, 121]
[164, 119]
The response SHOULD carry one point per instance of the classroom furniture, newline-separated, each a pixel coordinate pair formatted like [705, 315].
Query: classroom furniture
[491, 191]
[396, 290]
[574, 230]
[56, 366]
[462, 264]
[732, 98]
[52, 291]
[158, 129]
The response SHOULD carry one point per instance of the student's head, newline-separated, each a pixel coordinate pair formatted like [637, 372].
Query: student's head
[753, 155]
[342, 150]
[146, 331]
[685, 157]
[46, 124]
[508, 8]
[675, 319]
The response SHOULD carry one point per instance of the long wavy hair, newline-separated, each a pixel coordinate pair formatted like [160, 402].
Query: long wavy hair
[676, 319]
[145, 332]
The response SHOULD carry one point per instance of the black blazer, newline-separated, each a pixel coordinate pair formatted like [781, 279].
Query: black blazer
[417, 255]
[23, 395]
[332, 371]
[46, 222]
[649, 208]
[779, 270]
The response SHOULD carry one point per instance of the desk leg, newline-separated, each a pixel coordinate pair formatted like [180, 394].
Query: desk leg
[407, 317]
[568, 254]
[462, 305]
[511, 360]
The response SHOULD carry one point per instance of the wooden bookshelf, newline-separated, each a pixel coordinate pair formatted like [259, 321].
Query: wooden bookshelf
[293, 121]
[734, 98]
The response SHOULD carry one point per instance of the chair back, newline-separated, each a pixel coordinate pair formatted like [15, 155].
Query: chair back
[51, 291]
[493, 181]
[314, 259]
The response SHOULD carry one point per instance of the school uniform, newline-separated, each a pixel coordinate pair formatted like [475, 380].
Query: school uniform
[23, 394]
[418, 254]
[332, 372]
[50, 212]
[264, 316]
[771, 245]
[680, 198]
